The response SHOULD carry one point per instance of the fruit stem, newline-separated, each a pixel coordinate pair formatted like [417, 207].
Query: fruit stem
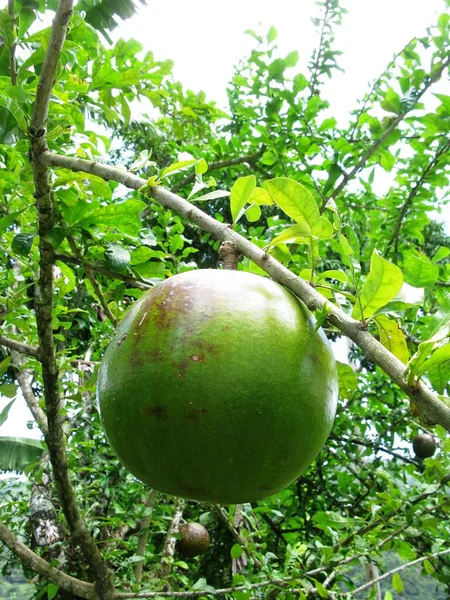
[229, 255]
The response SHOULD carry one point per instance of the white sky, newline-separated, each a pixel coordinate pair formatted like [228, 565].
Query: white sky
[206, 42]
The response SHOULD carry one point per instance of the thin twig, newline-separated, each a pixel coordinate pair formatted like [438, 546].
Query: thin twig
[23, 377]
[235, 533]
[315, 69]
[398, 119]
[93, 282]
[170, 542]
[143, 535]
[73, 260]
[412, 194]
[376, 447]
[12, 52]
[432, 410]
[397, 569]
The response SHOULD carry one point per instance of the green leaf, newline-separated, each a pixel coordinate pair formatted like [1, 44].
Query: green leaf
[294, 234]
[17, 453]
[117, 257]
[260, 196]
[322, 592]
[439, 357]
[333, 274]
[240, 195]
[253, 212]
[397, 583]
[236, 551]
[271, 34]
[294, 200]
[8, 389]
[123, 216]
[182, 165]
[388, 596]
[68, 281]
[22, 242]
[392, 337]
[52, 590]
[8, 220]
[429, 569]
[391, 102]
[291, 59]
[419, 271]
[347, 379]
[4, 365]
[383, 283]
[211, 196]
[5, 412]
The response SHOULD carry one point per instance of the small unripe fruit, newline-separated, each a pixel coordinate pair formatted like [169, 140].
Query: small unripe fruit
[424, 445]
[194, 539]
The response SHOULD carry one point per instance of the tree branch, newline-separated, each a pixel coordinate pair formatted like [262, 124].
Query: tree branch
[23, 377]
[432, 410]
[44, 308]
[315, 68]
[143, 535]
[374, 147]
[41, 566]
[375, 446]
[94, 283]
[412, 194]
[170, 541]
[397, 569]
[220, 165]
[12, 51]
[14, 345]
[141, 285]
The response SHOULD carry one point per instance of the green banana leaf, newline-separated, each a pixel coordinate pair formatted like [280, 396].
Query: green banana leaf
[16, 453]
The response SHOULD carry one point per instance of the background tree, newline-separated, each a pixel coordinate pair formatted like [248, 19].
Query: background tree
[82, 240]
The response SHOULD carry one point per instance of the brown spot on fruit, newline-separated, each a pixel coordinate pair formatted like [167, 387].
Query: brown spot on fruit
[194, 415]
[197, 358]
[158, 412]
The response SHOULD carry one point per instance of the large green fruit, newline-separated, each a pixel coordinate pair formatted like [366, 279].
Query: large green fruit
[216, 387]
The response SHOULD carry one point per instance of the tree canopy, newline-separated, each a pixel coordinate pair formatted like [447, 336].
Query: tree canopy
[114, 177]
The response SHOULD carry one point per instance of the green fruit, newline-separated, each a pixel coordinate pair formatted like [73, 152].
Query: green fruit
[194, 539]
[424, 445]
[217, 388]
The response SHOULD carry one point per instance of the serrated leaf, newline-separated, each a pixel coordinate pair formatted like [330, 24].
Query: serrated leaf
[383, 283]
[22, 242]
[240, 195]
[392, 337]
[294, 200]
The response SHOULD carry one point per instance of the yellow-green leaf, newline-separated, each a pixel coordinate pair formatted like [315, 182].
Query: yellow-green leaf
[294, 200]
[383, 283]
[392, 337]
[240, 195]
[295, 233]
[397, 583]
[260, 196]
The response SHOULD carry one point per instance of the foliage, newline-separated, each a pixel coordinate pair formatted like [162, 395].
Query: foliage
[290, 178]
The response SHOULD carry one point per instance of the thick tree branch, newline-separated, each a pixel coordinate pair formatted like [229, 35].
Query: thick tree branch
[41, 566]
[432, 410]
[44, 309]
[398, 119]
[412, 194]
[26, 349]
[397, 569]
